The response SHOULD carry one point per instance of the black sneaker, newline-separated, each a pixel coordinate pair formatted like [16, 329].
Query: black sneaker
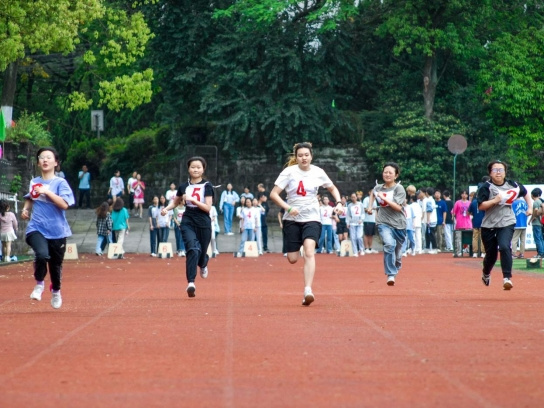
[486, 279]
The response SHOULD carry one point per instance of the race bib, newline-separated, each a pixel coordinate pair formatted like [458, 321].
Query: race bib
[509, 196]
[388, 195]
[35, 195]
[196, 192]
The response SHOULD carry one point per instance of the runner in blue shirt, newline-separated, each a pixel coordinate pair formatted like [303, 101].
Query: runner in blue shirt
[49, 196]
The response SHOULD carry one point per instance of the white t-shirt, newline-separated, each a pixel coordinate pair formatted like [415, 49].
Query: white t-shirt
[325, 211]
[416, 208]
[370, 217]
[130, 182]
[249, 217]
[301, 188]
[355, 213]
[170, 195]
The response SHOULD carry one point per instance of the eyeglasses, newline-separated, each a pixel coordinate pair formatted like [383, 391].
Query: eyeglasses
[497, 170]
[45, 157]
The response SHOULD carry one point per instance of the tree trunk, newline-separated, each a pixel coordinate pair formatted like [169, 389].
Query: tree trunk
[430, 81]
[8, 91]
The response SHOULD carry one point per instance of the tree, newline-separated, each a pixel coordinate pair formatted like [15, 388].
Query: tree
[39, 26]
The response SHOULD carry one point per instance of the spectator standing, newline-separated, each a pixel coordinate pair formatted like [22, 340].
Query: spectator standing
[130, 188]
[263, 200]
[215, 229]
[229, 198]
[477, 218]
[247, 193]
[248, 223]
[138, 193]
[326, 240]
[418, 216]
[84, 186]
[441, 215]
[261, 190]
[47, 230]
[121, 226]
[354, 221]
[369, 224]
[117, 186]
[520, 211]
[178, 217]
[163, 220]
[448, 226]
[462, 220]
[8, 229]
[432, 218]
[536, 224]
[152, 214]
[104, 226]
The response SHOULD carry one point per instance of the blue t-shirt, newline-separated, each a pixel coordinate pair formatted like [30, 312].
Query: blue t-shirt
[441, 208]
[85, 180]
[477, 215]
[47, 218]
[520, 208]
[119, 219]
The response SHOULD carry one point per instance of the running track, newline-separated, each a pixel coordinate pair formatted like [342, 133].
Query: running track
[128, 336]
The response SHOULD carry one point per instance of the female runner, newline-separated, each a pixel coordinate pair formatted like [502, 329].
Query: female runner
[302, 222]
[196, 226]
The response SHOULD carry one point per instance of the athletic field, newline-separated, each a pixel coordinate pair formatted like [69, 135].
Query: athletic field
[127, 335]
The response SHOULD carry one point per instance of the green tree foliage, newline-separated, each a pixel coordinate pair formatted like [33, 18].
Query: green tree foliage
[513, 80]
[42, 26]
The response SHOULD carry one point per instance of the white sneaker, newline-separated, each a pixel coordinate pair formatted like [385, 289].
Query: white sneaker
[483, 255]
[475, 255]
[362, 253]
[260, 252]
[204, 272]
[355, 254]
[191, 288]
[285, 254]
[153, 254]
[308, 297]
[56, 300]
[37, 292]
[414, 252]
[391, 281]
[373, 251]
[239, 255]
[216, 252]
[182, 254]
[507, 284]
[404, 254]
[368, 251]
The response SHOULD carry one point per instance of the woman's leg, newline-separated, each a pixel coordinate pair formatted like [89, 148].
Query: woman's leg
[41, 254]
[57, 247]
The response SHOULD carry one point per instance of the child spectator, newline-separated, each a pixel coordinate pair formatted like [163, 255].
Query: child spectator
[8, 229]
[104, 226]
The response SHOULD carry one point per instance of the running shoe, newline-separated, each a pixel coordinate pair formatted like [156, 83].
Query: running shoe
[362, 253]
[191, 289]
[37, 292]
[204, 272]
[507, 284]
[391, 281]
[486, 279]
[308, 297]
[56, 300]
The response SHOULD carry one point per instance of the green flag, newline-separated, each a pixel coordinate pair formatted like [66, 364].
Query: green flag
[2, 127]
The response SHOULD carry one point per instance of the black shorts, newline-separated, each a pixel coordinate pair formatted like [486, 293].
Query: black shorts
[341, 227]
[369, 228]
[294, 234]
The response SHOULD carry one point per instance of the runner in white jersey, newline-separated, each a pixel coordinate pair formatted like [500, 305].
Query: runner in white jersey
[496, 198]
[302, 222]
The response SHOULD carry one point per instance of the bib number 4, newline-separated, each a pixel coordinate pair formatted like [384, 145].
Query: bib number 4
[301, 190]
